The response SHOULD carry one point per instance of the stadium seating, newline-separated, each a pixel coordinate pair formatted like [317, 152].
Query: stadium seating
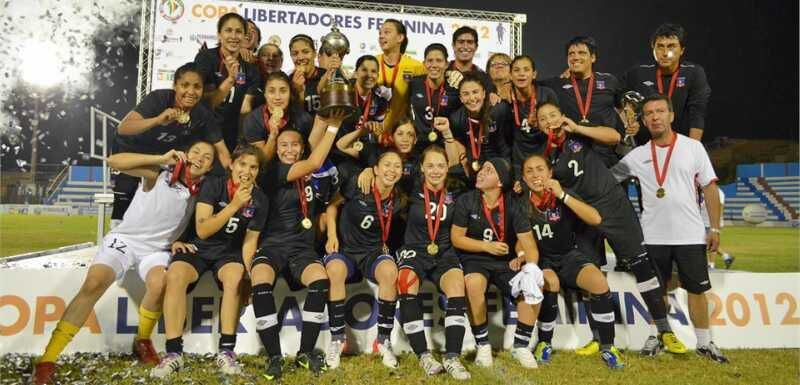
[78, 188]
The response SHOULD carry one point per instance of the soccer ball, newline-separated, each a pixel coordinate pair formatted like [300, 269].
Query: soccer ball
[754, 213]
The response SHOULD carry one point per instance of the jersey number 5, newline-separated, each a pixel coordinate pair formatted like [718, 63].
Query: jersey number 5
[232, 226]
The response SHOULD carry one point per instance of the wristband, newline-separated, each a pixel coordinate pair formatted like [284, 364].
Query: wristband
[563, 195]
[566, 198]
[714, 230]
[521, 253]
[333, 129]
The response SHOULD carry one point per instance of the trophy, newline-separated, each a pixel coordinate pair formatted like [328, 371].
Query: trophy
[632, 109]
[337, 93]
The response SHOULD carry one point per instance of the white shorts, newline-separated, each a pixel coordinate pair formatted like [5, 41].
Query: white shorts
[121, 255]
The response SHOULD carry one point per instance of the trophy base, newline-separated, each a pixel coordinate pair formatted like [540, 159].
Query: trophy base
[326, 111]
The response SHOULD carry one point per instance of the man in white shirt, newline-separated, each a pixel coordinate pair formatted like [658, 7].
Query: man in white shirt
[669, 168]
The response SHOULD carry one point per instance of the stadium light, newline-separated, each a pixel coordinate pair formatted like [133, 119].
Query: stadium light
[41, 65]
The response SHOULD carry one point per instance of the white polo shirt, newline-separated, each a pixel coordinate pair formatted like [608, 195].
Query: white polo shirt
[704, 210]
[674, 219]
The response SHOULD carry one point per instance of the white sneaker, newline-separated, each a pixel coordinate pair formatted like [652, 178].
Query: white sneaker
[387, 355]
[226, 360]
[429, 364]
[456, 369]
[170, 364]
[525, 357]
[333, 357]
[483, 356]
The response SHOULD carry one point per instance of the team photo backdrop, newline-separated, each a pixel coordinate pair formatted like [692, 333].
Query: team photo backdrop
[181, 27]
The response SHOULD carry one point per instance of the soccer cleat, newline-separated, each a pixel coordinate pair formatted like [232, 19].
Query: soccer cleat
[333, 357]
[671, 343]
[313, 361]
[145, 352]
[44, 373]
[525, 357]
[274, 369]
[226, 360]
[593, 347]
[171, 363]
[456, 369]
[728, 260]
[483, 356]
[543, 352]
[712, 352]
[612, 358]
[651, 347]
[387, 355]
[429, 364]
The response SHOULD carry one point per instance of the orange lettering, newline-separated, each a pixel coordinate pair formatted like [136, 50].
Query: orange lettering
[789, 318]
[716, 303]
[196, 10]
[42, 315]
[733, 298]
[22, 320]
[761, 299]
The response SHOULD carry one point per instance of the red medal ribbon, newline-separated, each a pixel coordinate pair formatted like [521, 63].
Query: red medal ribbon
[584, 109]
[384, 220]
[232, 188]
[672, 81]
[501, 235]
[552, 140]
[433, 225]
[366, 106]
[548, 200]
[265, 116]
[531, 107]
[661, 177]
[180, 167]
[301, 188]
[394, 75]
[474, 146]
[429, 92]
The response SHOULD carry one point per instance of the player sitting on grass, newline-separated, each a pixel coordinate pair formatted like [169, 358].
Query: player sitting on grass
[158, 214]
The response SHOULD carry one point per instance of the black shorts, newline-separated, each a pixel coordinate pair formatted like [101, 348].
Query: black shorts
[567, 267]
[201, 265]
[288, 262]
[497, 272]
[124, 189]
[360, 269]
[691, 262]
[426, 266]
[620, 226]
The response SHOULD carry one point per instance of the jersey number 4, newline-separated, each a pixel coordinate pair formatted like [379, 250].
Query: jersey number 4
[543, 232]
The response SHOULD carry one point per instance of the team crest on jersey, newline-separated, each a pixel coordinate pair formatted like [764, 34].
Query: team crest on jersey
[443, 101]
[407, 168]
[553, 214]
[681, 82]
[249, 212]
[574, 145]
[493, 126]
[600, 84]
[449, 199]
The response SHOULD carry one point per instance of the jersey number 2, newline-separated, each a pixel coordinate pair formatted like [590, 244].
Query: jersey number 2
[573, 164]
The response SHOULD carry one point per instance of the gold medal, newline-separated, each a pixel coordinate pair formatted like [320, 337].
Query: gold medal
[358, 146]
[306, 223]
[432, 136]
[476, 165]
[385, 249]
[660, 193]
[183, 117]
[584, 121]
[277, 113]
[433, 249]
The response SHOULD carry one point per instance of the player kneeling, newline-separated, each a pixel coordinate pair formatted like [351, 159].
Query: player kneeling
[228, 220]
[554, 216]
[158, 214]
[485, 222]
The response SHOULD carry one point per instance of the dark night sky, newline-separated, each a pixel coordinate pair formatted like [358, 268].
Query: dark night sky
[749, 50]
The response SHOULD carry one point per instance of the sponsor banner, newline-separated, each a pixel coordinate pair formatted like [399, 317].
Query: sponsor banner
[749, 310]
[39, 209]
[183, 26]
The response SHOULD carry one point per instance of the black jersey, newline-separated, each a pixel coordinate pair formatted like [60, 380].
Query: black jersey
[311, 100]
[255, 124]
[379, 98]
[689, 97]
[214, 73]
[283, 226]
[579, 168]
[359, 226]
[416, 234]
[553, 228]
[606, 92]
[470, 215]
[444, 101]
[203, 125]
[228, 240]
[524, 138]
[494, 141]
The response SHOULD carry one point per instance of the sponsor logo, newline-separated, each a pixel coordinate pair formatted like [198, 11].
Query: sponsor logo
[171, 10]
[681, 82]
[574, 145]
[601, 84]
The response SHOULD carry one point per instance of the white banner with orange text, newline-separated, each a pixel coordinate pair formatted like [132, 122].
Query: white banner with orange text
[748, 310]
